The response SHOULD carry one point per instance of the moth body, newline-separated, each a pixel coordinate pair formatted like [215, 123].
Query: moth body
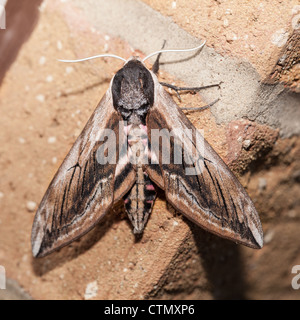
[133, 96]
[85, 187]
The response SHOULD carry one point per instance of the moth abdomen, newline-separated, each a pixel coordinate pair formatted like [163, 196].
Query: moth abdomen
[139, 201]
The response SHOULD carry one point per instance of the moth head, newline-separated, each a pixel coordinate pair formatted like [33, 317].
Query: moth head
[133, 91]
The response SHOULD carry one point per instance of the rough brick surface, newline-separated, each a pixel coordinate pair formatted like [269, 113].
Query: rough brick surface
[254, 127]
[252, 30]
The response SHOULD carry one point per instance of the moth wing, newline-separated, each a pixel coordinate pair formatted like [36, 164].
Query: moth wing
[202, 187]
[82, 191]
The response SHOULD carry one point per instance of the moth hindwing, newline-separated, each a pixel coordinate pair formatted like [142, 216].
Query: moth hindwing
[136, 140]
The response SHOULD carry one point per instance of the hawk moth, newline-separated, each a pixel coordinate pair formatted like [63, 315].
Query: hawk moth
[85, 187]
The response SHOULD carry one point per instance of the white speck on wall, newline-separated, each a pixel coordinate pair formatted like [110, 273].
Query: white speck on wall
[42, 60]
[54, 160]
[42, 7]
[107, 37]
[269, 235]
[51, 140]
[91, 290]
[280, 37]
[59, 45]
[22, 140]
[31, 206]
[173, 4]
[262, 184]
[1, 195]
[49, 78]
[69, 70]
[40, 98]
[246, 144]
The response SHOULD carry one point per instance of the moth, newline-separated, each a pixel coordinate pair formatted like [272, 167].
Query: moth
[117, 156]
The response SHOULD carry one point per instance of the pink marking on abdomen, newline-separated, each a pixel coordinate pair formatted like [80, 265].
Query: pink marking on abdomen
[150, 187]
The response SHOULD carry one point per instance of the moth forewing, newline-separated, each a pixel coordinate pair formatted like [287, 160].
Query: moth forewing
[82, 190]
[210, 194]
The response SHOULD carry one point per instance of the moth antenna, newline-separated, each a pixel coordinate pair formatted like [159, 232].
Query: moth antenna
[94, 57]
[174, 50]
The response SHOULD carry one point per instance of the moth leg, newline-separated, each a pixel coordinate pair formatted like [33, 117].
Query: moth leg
[155, 67]
[202, 108]
[190, 89]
